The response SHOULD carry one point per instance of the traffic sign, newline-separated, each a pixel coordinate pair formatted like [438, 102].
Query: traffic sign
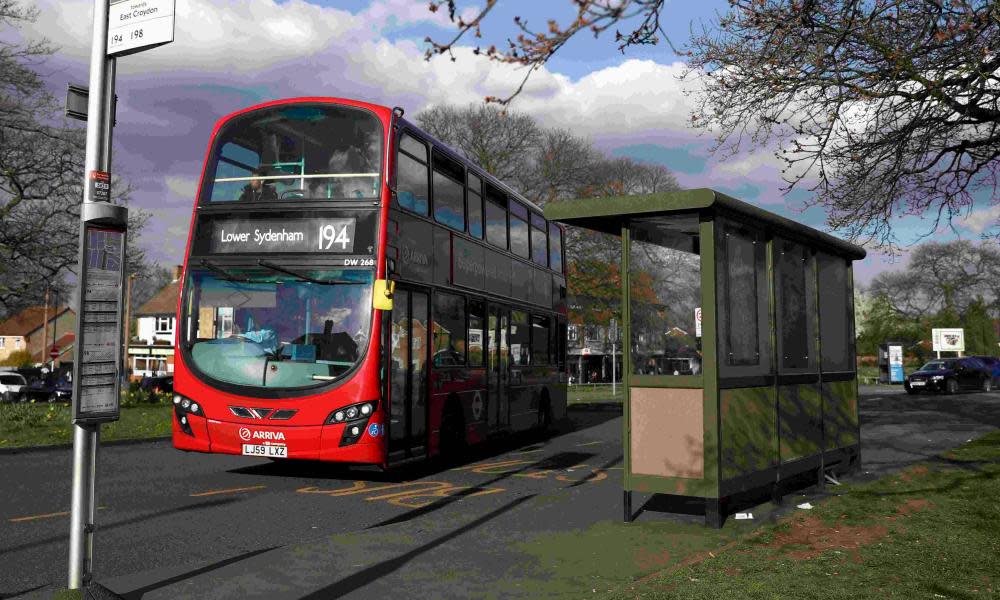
[137, 25]
[54, 352]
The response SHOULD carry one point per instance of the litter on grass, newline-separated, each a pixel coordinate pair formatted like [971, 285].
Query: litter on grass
[805, 506]
[743, 516]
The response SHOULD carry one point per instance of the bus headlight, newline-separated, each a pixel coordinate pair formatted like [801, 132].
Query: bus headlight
[354, 412]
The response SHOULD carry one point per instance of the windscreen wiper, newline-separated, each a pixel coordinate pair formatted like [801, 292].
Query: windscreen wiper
[225, 274]
[304, 277]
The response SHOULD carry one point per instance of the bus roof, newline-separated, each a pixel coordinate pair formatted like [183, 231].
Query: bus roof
[608, 214]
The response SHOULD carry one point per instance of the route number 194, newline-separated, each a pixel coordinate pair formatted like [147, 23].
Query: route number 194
[329, 235]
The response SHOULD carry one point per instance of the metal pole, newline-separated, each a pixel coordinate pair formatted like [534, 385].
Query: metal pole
[85, 436]
[45, 324]
[128, 323]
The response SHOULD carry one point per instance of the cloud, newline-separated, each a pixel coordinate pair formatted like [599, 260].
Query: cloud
[231, 54]
[982, 219]
[181, 186]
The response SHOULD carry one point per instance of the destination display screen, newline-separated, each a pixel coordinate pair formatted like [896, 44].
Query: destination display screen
[343, 232]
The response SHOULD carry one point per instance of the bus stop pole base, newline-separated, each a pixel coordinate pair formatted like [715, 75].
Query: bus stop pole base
[628, 506]
[82, 515]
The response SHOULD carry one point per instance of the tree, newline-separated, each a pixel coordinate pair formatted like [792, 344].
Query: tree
[942, 276]
[18, 359]
[500, 144]
[980, 336]
[41, 179]
[879, 107]
[891, 106]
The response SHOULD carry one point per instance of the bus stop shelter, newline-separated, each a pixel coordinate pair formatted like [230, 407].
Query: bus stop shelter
[739, 364]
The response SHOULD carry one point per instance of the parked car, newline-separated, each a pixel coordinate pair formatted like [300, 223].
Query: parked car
[13, 387]
[950, 375]
[51, 387]
[994, 364]
[159, 383]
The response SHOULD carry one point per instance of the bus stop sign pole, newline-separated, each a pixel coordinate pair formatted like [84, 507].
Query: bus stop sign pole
[99, 359]
[97, 363]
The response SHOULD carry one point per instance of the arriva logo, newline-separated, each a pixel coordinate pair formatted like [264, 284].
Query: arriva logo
[246, 435]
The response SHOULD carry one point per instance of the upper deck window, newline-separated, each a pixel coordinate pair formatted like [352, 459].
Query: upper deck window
[449, 203]
[296, 152]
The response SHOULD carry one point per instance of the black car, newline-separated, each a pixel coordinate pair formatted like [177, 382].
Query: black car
[159, 383]
[950, 375]
[994, 364]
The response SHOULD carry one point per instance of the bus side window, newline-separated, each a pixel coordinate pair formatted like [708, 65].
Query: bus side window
[412, 175]
[475, 206]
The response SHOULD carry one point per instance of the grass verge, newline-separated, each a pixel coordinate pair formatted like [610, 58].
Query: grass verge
[594, 394]
[25, 425]
[931, 531]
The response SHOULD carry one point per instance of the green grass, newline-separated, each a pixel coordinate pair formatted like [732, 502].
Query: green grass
[25, 425]
[593, 394]
[931, 531]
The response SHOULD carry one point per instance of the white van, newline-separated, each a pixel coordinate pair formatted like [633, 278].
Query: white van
[13, 387]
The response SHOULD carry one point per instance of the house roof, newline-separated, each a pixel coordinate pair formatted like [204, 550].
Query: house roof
[65, 343]
[608, 215]
[30, 319]
[164, 302]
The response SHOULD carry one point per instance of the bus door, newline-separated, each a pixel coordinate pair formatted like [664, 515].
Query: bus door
[498, 376]
[408, 373]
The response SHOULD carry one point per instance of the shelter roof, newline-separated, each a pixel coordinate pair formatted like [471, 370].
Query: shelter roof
[609, 214]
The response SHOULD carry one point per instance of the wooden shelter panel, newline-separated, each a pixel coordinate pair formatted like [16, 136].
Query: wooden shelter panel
[840, 413]
[749, 434]
[667, 432]
[800, 421]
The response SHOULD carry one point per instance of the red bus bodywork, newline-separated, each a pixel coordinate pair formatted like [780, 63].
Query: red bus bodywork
[307, 434]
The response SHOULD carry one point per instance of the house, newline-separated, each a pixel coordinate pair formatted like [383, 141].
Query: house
[151, 349]
[27, 331]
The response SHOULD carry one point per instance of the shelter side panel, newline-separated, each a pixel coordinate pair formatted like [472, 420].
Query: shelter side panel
[800, 421]
[840, 413]
[667, 432]
[749, 437]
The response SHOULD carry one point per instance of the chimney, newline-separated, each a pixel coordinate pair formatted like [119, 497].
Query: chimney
[178, 269]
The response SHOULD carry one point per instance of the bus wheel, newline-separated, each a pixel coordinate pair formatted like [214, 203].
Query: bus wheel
[452, 431]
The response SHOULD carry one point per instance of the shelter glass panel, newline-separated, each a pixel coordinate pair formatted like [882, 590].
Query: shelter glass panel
[664, 294]
[796, 306]
[744, 323]
[836, 327]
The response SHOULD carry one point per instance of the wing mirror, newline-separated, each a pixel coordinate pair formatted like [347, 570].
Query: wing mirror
[382, 294]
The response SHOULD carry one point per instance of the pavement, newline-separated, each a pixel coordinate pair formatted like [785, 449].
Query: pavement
[459, 532]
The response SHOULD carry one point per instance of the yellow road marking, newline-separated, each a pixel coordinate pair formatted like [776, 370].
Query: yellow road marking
[589, 444]
[46, 516]
[229, 491]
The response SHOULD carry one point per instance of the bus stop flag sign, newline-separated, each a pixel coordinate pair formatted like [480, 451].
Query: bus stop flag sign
[137, 25]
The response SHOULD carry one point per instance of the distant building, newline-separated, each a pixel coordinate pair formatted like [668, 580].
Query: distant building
[151, 349]
[27, 331]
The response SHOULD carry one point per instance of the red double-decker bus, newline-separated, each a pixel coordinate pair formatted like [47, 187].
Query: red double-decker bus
[355, 291]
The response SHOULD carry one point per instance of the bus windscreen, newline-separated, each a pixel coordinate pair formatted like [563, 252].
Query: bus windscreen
[274, 325]
[300, 152]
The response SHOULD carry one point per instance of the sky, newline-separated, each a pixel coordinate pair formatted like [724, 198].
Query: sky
[229, 54]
